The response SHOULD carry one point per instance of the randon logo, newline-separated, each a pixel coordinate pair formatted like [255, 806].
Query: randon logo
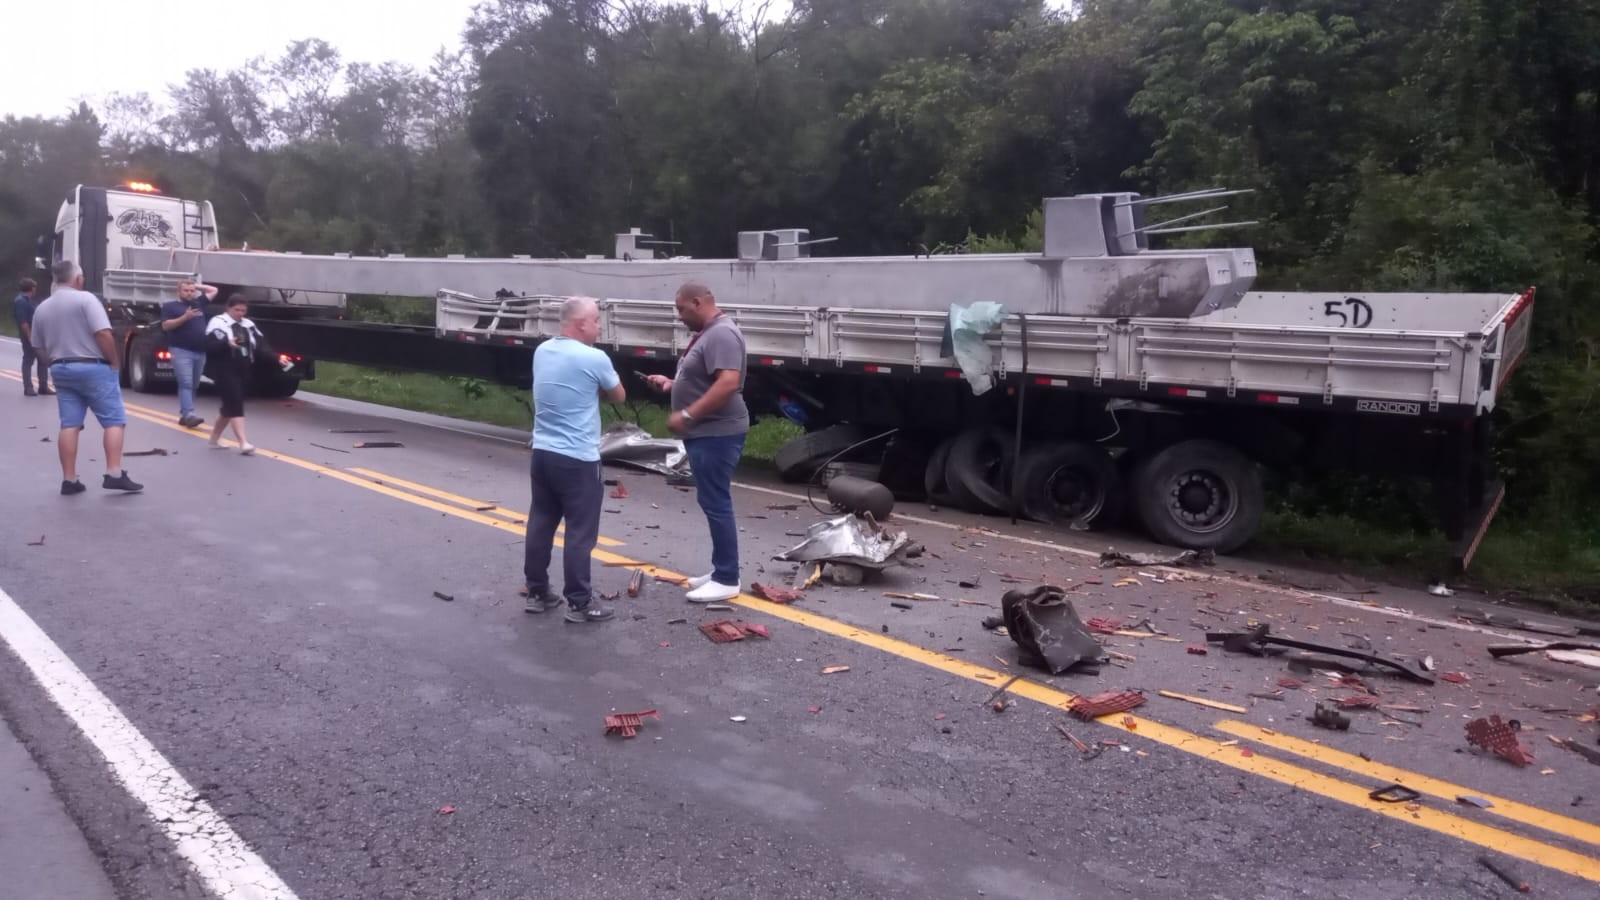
[1389, 407]
[147, 227]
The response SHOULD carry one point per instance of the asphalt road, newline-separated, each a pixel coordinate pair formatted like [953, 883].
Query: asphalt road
[269, 627]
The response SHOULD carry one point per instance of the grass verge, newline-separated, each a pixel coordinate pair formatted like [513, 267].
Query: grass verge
[484, 401]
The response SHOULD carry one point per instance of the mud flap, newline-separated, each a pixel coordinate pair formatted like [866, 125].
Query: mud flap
[1477, 525]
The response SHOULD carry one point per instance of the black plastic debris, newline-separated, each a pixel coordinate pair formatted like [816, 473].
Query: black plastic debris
[1048, 631]
[1258, 642]
[1112, 559]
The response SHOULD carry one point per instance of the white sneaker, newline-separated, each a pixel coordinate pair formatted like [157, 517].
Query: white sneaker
[711, 592]
[698, 581]
[247, 450]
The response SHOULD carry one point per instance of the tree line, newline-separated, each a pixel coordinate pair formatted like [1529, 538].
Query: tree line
[1426, 145]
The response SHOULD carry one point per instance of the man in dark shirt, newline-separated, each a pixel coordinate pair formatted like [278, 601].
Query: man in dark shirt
[184, 321]
[23, 308]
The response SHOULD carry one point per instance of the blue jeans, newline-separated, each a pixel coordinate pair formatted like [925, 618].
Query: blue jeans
[713, 460]
[187, 366]
[81, 387]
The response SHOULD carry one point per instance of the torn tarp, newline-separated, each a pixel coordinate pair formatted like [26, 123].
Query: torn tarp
[626, 444]
[1112, 558]
[967, 327]
[854, 541]
[1047, 629]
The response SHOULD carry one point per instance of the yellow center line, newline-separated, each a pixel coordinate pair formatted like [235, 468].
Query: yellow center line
[515, 517]
[1283, 772]
[1509, 809]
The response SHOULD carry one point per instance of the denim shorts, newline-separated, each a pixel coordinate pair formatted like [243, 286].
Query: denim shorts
[82, 387]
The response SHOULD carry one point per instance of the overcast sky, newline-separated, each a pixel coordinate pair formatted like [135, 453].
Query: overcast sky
[116, 46]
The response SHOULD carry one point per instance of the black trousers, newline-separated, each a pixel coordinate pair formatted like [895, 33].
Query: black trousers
[30, 359]
[569, 489]
[228, 376]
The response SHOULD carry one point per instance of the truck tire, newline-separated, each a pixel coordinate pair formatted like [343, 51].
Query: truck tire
[1199, 495]
[936, 487]
[276, 388]
[141, 366]
[799, 459]
[979, 470]
[1068, 483]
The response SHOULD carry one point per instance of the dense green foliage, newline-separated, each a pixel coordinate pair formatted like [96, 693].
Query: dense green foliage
[1431, 144]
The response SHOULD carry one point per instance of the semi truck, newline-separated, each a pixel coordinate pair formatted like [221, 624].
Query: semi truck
[1098, 381]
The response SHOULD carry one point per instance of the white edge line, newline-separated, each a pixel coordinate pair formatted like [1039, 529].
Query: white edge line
[222, 859]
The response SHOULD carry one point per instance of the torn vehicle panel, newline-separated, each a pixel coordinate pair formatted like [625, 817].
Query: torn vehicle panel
[1047, 630]
[853, 541]
[1112, 559]
[626, 444]
[1500, 738]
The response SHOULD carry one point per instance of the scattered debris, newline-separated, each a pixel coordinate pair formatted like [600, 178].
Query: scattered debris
[1127, 582]
[1196, 650]
[156, 451]
[677, 621]
[677, 580]
[813, 709]
[1310, 581]
[1266, 695]
[736, 718]
[441, 595]
[899, 596]
[806, 576]
[1105, 704]
[326, 447]
[1500, 738]
[1201, 701]
[1112, 559]
[834, 670]
[1258, 642]
[899, 604]
[1427, 664]
[971, 583]
[447, 810]
[1504, 875]
[718, 607]
[1439, 590]
[376, 445]
[1395, 793]
[1586, 659]
[1293, 684]
[1325, 716]
[1356, 701]
[1502, 650]
[636, 582]
[38, 543]
[1103, 625]
[775, 593]
[995, 698]
[621, 491]
[726, 632]
[1455, 677]
[1047, 630]
[1473, 800]
[1505, 620]
[1587, 752]
[786, 507]
[1085, 749]
[627, 724]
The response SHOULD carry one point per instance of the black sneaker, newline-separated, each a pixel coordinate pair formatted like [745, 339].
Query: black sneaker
[28, 391]
[594, 612]
[121, 483]
[542, 602]
[191, 421]
[68, 488]
[47, 391]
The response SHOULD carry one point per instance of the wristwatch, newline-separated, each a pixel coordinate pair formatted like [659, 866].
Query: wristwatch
[685, 413]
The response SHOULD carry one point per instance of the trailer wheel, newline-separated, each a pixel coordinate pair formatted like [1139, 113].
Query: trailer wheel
[1069, 483]
[979, 468]
[799, 459]
[1199, 495]
[141, 366]
[935, 484]
[277, 388]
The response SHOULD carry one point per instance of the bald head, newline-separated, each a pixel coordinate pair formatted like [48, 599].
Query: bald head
[580, 319]
[696, 305]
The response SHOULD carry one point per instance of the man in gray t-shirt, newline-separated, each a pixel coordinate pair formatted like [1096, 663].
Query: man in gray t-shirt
[708, 411]
[72, 335]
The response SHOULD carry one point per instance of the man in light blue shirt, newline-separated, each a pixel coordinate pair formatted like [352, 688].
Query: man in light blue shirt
[569, 379]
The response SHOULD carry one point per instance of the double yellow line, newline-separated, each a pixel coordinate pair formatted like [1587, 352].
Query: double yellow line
[1227, 753]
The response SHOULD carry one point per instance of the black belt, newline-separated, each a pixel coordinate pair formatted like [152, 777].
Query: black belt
[82, 359]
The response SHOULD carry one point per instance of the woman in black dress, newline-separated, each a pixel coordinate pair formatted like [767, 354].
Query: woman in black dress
[232, 340]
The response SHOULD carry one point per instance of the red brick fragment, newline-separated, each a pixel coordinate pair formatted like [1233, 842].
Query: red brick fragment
[1196, 650]
[627, 724]
[1105, 704]
[1500, 738]
[1104, 626]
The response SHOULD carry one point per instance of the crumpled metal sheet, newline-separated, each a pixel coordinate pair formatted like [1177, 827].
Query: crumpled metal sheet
[851, 540]
[969, 325]
[1047, 629]
[626, 444]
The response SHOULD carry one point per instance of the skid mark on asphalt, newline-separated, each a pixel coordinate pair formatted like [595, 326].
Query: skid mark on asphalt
[222, 859]
[1281, 771]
